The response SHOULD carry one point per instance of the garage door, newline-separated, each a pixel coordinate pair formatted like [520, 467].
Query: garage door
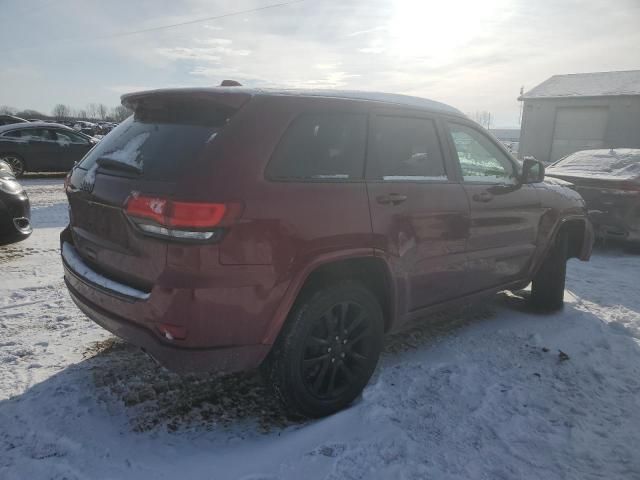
[578, 128]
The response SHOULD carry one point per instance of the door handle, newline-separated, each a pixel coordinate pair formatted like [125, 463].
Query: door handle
[483, 197]
[391, 199]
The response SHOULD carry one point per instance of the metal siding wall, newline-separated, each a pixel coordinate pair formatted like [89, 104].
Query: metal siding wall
[538, 123]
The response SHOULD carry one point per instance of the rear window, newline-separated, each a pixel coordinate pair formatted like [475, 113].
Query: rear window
[321, 146]
[159, 141]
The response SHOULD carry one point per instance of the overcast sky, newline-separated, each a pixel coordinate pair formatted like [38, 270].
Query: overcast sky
[472, 54]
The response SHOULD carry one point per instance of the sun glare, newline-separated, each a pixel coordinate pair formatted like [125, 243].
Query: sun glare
[434, 30]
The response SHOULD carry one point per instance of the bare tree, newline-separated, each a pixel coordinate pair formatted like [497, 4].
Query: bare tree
[7, 110]
[102, 111]
[120, 113]
[82, 114]
[61, 111]
[483, 118]
[28, 113]
[92, 110]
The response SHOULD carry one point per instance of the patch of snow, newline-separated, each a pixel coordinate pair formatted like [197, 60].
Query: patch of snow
[492, 396]
[413, 177]
[606, 164]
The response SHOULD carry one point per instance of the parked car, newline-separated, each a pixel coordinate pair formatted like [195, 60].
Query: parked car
[609, 181]
[87, 128]
[15, 211]
[102, 128]
[42, 147]
[227, 228]
[9, 119]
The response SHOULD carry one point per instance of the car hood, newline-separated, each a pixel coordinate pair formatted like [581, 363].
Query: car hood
[557, 181]
[615, 165]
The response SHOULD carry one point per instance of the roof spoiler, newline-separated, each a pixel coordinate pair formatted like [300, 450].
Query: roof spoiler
[225, 97]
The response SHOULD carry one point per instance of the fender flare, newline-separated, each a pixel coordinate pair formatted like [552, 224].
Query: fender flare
[588, 235]
[299, 279]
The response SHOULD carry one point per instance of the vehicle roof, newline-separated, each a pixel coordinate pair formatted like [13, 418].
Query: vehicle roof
[13, 126]
[13, 117]
[378, 97]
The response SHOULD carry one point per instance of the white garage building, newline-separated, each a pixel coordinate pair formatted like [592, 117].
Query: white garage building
[567, 113]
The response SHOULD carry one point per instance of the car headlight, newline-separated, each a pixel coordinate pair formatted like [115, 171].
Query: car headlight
[10, 186]
[5, 169]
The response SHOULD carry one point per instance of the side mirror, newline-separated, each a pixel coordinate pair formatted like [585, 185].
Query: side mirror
[532, 171]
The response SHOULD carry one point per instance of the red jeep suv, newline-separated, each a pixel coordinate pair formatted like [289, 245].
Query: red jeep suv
[229, 228]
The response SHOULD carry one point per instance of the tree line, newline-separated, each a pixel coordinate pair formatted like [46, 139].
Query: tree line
[91, 112]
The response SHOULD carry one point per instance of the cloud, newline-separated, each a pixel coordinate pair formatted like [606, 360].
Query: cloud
[473, 56]
[211, 51]
[373, 50]
[367, 31]
[184, 53]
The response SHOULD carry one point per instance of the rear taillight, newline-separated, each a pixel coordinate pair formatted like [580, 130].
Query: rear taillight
[165, 217]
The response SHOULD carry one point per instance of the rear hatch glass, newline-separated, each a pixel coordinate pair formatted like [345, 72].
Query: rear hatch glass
[159, 141]
[164, 140]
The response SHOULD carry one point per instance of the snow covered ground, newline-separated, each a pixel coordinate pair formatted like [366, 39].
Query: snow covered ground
[495, 392]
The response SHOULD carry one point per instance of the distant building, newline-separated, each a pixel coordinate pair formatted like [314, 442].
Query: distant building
[567, 113]
[506, 134]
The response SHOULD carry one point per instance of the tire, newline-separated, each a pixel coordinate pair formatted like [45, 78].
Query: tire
[327, 351]
[547, 289]
[15, 162]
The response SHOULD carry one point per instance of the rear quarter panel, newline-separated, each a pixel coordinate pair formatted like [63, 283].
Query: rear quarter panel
[285, 226]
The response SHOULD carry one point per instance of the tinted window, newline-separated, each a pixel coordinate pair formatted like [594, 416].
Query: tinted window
[13, 134]
[38, 134]
[65, 138]
[160, 141]
[406, 149]
[480, 159]
[321, 147]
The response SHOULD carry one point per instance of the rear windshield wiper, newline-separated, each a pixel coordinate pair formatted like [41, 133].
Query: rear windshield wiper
[118, 165]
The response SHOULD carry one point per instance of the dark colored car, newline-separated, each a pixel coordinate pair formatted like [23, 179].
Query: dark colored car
[227, 228]
[88, 128]
[609, 181]
[42, 147]
[15, 212]
[9, 119]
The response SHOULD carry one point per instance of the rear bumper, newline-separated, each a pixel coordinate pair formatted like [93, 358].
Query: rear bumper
[178, 359]
[220, 333]
[613, 225]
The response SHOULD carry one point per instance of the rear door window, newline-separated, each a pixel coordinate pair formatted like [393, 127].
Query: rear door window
[404, 148]
[159, 141]
[321, 147]
[66, 138]
[38, 135]
[13, 134]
